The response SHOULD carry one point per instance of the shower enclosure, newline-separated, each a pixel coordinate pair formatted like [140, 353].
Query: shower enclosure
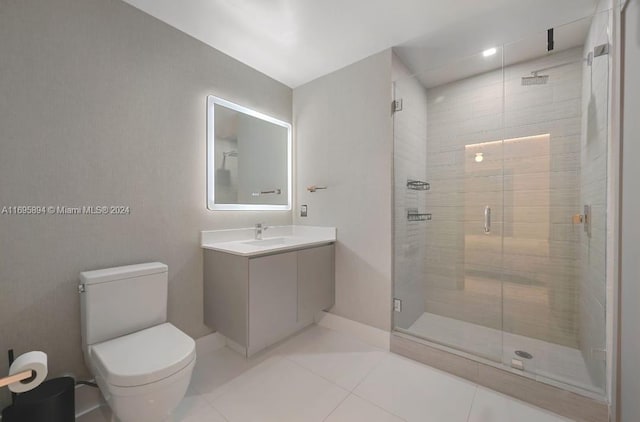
[500, 205]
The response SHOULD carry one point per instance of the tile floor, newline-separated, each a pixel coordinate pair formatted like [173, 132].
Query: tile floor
[324, 375]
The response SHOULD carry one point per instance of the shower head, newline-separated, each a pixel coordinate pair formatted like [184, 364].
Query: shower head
[535, 79]
[225, 154]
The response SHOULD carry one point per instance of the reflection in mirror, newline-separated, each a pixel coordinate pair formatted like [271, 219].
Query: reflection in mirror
[248, 159]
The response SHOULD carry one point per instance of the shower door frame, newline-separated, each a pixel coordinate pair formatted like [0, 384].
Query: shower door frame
[444, 357]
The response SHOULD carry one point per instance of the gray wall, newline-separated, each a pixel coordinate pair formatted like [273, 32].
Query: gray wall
[343, 132]
[101, 104]
[629, 377]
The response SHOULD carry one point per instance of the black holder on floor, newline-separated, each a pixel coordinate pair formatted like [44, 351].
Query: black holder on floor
[11, 359]
[51, 401]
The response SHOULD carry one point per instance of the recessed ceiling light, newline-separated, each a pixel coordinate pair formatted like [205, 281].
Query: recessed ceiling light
[490, 52]
[479, 157]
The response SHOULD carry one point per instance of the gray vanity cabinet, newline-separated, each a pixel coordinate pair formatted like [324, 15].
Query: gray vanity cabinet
[272, 299]
[257, 301]
[316, 286]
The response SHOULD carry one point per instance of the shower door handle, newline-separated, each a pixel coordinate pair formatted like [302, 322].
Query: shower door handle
[487, 219]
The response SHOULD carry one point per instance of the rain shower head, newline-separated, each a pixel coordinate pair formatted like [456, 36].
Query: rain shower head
[535, 79]
[225, 154]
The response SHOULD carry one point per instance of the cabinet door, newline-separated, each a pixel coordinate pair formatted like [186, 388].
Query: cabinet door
[316, 281]
[273, 294]
[226, 286]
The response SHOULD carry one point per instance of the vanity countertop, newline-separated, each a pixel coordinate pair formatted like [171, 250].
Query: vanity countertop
[274, 239]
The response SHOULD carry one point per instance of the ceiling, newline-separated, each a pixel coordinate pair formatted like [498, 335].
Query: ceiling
[296, 41]
[533, 46]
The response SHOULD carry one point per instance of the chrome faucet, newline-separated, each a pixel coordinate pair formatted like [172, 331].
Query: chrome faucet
[260, 228]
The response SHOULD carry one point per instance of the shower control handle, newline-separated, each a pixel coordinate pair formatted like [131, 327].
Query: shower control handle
[487, 219]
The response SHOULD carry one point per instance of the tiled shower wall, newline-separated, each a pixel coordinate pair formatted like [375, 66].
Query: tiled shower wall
[410, 155]
[535, 180]
[593, 192]
[464, 112]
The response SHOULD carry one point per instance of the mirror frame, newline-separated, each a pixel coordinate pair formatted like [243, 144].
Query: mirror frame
[212, 101]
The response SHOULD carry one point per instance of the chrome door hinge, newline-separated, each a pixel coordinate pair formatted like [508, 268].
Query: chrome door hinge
[397, 305]
[396, 105]
[601, 50]
[80, 288]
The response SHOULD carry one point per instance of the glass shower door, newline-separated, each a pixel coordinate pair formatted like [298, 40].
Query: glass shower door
[555, 152]
[448, 232]
[500, 164]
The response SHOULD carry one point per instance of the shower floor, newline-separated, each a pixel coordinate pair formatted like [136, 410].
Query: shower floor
[551, 361]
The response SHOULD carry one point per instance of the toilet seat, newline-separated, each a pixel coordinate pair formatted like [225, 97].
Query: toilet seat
[143, 357]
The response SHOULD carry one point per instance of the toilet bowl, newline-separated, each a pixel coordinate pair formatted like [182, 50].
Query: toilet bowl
[142, 364]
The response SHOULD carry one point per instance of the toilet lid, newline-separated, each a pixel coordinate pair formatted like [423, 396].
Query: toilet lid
[144, 357]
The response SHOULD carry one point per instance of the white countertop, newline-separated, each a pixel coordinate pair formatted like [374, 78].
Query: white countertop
[274, 239]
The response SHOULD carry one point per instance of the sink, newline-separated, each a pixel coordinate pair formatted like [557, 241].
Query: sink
[281, 238]
[267, 242]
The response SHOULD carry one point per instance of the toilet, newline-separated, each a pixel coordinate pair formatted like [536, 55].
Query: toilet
[141, 363]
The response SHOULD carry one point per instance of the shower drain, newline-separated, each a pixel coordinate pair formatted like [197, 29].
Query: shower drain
[523, 354]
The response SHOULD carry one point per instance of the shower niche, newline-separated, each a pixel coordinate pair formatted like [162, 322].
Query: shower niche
[515, 139]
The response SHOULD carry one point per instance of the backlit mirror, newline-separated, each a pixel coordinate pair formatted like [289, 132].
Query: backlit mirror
[248, 159]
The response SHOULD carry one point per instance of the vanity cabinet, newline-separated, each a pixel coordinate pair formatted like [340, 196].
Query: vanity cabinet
[273, 299]
[316, 286]
[256, 301]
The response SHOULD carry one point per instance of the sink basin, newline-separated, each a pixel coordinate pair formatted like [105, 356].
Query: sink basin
[267, 242]
[281, 238]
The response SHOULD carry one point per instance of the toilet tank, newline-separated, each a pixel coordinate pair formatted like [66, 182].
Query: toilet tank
[122, 300]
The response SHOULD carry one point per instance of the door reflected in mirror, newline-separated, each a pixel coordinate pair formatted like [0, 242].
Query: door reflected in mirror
[248, 159]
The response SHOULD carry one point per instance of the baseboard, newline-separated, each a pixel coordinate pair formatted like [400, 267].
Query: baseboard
[210, 343]
[237, 347]
[371, 335]
[87, 399]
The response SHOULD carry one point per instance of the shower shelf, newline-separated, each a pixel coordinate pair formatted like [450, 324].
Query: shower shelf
[418, 185]
[414, 215]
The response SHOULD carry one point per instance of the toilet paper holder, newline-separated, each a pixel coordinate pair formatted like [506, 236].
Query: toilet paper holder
[26, 376]
[20, 376]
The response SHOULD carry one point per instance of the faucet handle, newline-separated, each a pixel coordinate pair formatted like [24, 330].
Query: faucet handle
[260, 227]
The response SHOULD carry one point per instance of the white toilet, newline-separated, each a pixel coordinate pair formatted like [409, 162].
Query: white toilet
[141, 363]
